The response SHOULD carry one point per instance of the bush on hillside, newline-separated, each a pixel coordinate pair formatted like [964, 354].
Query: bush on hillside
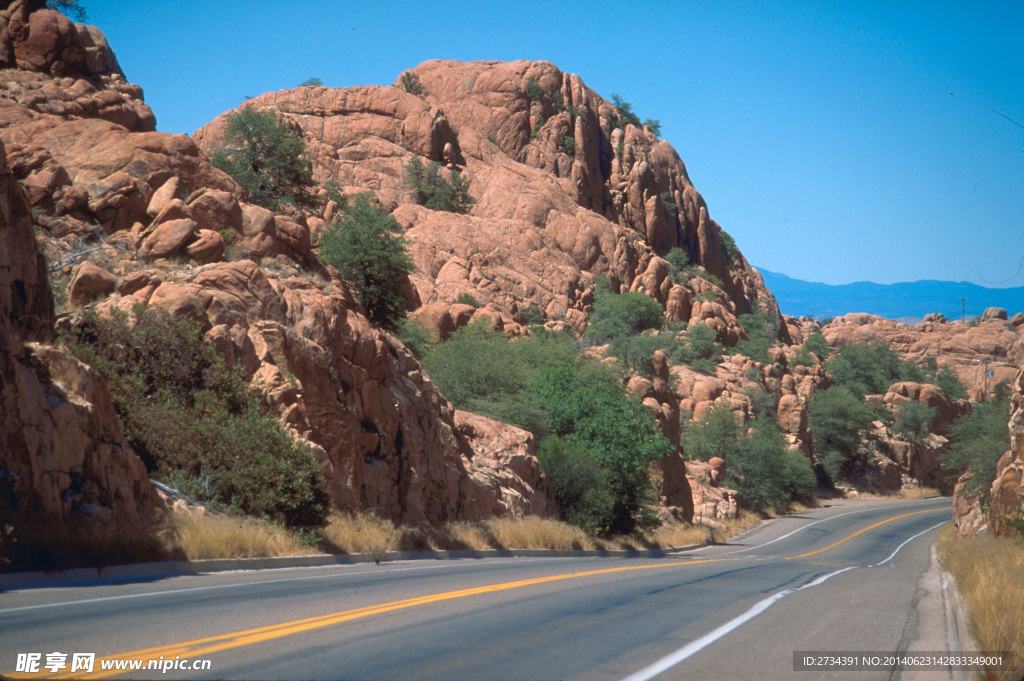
[949, 383]
[836, 418]
[913, 420]
[365, 245]
[192, 420]
[267, 158]
[621, 320]
[580, 483]
[762, 331]
[428, 188]
[759, 466]
[865, 369]
[698, 349]
[617, 430]
[977, 440]
[411, 83]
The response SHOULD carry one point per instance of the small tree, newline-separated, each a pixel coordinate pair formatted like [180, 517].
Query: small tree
[949, 383]
[427, 187]
[365, 246]
[311, 82]
[267, 158]
[913, 420]
[836, 418]
[411, 84]
[533, 89]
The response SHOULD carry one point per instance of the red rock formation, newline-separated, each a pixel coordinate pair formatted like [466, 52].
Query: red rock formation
[63, 454]
[991, 345]
[545, 224]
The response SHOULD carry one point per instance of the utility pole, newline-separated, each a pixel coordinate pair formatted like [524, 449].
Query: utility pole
[963, 309]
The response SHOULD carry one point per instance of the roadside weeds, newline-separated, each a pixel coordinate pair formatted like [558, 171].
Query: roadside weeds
[988, 575]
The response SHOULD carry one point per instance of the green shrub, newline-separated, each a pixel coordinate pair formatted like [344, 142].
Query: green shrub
[428, 188]
[759, 466]
[614, 428]
[625, 112]
[579, 482]
[569, 145]
[717, 434]
[909, 371]
[913, 420]
[411, 84]
[558, 100]
[765, 473]
[977, 440]
[836, 418]
[70, 8]
[267, 158]
[467, 299]
[762, 331]
[679, 264]
[699, 349]
[708, 277]
[189, 417]
[817, 344]
[949, 384]
[365, 246]
[533, 89]
[532, 315]
[865, 369]
[670, 206]
[654, 125]
[415, 336]
[728, 245]
[620, 319]
[311, 82]
[619, 314]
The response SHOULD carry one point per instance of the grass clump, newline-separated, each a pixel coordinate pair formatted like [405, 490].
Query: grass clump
[219, 536]
[191, 419]
[987, 572]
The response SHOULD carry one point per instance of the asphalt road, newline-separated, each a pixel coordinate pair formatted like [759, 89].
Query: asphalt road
[841, 578]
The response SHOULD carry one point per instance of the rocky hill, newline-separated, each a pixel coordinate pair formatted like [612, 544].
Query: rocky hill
[565, 194]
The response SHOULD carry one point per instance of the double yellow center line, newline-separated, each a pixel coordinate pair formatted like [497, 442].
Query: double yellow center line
[860, 532]
[201, 647]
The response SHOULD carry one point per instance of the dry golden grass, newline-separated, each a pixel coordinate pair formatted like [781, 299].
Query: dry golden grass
[910, 493]
[988, 574]
[217, 536]
[359, 533]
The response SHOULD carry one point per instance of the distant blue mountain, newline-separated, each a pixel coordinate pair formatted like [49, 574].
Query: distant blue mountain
[893, 301]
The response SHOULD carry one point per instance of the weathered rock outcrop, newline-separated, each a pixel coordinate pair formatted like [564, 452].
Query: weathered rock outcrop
[993, 345]
[63, 455]
[545, 223]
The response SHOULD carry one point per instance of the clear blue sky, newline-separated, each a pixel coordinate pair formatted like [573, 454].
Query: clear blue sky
[836, 141]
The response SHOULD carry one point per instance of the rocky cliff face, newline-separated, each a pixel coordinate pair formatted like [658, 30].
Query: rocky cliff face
[63, 456]
[547, 222]
[127, 215]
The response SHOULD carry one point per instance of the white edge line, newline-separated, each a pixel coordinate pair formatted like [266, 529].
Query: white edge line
[686, 651]
[804, 527]
[689, 649]
[907, 542]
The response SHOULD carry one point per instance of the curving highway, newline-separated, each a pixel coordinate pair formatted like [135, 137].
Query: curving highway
[841, 578]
